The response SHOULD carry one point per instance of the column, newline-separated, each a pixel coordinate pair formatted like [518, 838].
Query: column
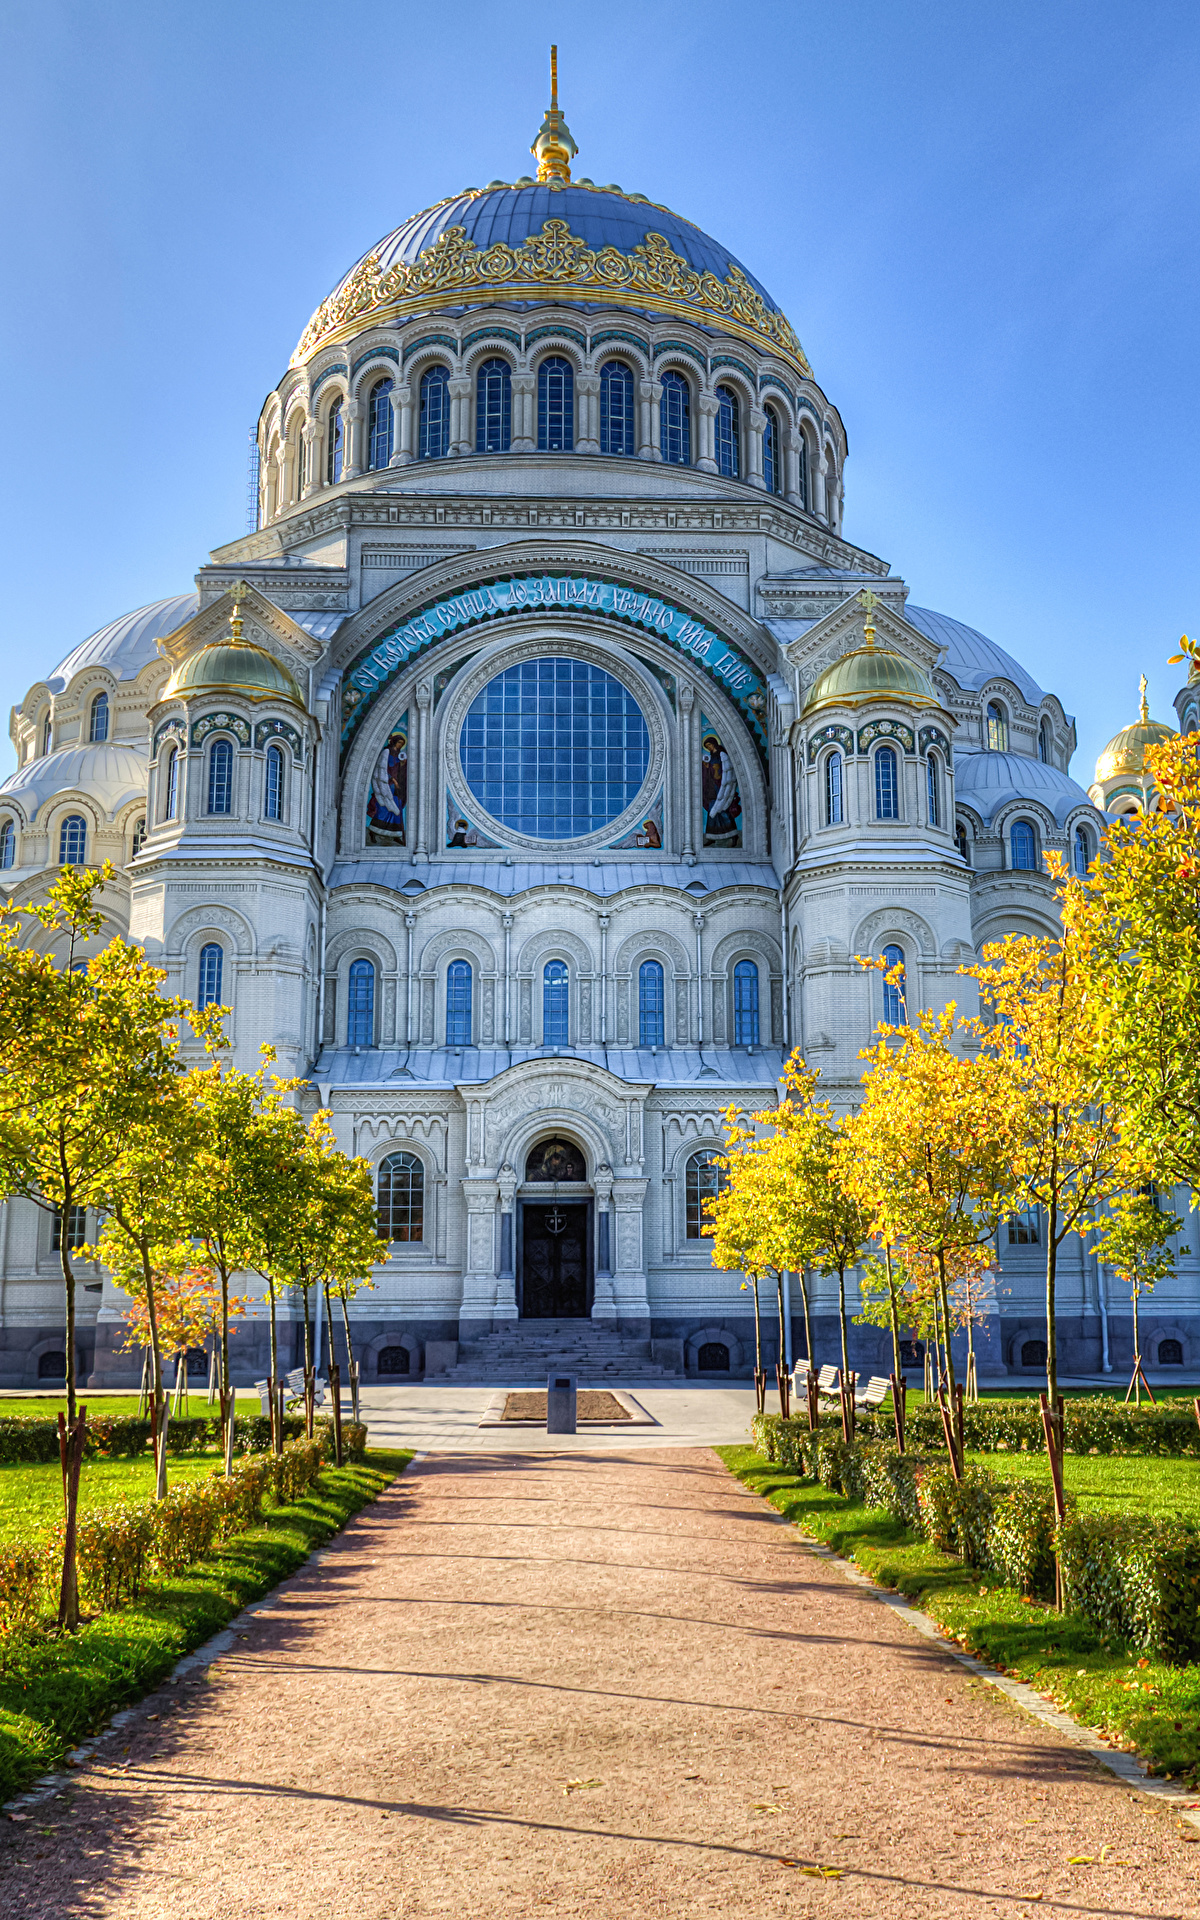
[707, 408]
[649, 395]
[402, 424]
[506, 1283]
[604, 920]
[587, 439]
[410, 921]
[822, 468]
[698, 922]
[630, 1298]
[508, 1028]
[791, 469]
[687, 700]
[353, 417]
[312, 460]
[754, 448]
[459, 386]
[604, 1306]
[421, 788]
[480, 1285]
[524, 439]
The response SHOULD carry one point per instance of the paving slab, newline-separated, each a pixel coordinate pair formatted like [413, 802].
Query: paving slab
[586, 1684]
[446, 1419]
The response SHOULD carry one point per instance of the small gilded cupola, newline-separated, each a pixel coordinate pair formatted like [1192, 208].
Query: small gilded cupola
[1123, 784]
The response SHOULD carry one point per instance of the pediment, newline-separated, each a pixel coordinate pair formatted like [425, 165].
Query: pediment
[263, 623]
[843, 630]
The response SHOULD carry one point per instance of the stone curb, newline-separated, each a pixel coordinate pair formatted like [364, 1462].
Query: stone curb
[1130, 1771]
[202, 1656]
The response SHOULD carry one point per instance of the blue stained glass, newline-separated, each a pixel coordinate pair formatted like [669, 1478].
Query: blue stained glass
[335, 436]
[220, 777]
[554, 749]
[650, 1004]
[493, 407]
[274, 784]
[833, 790]
[208, 987]
[745, 1004]
[172, 800]
[556, 406]
[894, 991]
[887, 790]
[675, 420]
[8, 843]
[1024, 846]
[72, 841]
[434, 442]
[771, 451]
[360, 1004]
[556, 990]
[458, 1004]
[935, 811]
[616, 409]
[726, 433]
[380, 424]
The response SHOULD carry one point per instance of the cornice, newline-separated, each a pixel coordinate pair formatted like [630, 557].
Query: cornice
[263, 620]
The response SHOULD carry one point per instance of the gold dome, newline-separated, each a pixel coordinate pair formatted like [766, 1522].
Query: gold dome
[235, 666]
[1125, 753]
[871, 673]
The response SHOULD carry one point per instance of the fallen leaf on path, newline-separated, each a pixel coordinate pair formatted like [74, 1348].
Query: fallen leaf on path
[1082, 1860]
[579, 1786]
[765, 1806]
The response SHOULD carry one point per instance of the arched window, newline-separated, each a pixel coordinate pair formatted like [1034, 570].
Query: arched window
[830, 487]
[1023, 842]
[401, 1195]
[712, 1357]
[300, 460]
[273, 784]
[53, 1366]
[493, 407]
[650, 1003]
[171, 784]
[931, 778]
[616, 409]
[72, 841]
[98, 724]
[1082, 852]
[802, 470]
[997, 728]
[887, 785]
[360, 1004]
[393, 1360]
[1170, 1353]
[220, 777]
[704, 1179]
[556, 405]
[894, 991]
[139, 836]
[335, 444]
[727, 433]
[47, 734]
[433, 441]
[556, 1004]
[833, 790]
[745, 1004]
[771, 446]
[960, 835]
[458, 1003]
[8, 843]
[1044, 743]
[379, 424]
[1033, 1353]
[675, 420]
[208, 984]
[1191, 720]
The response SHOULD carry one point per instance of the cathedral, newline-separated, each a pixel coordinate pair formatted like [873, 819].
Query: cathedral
[533, 776]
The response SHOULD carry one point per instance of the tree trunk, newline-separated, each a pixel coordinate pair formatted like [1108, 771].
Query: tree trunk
[781, 1372]
[68, 1274]
[760, 1378]
[70, 1449]
[802, 1277]
[273, 1380]
[350, 1365]
[161, 1402]
[842, 1320]
[227, 1398]
[1137, 1353]
[955, 1404]
[894, 1313]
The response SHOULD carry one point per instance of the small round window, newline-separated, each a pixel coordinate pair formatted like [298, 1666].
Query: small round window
[554, 749]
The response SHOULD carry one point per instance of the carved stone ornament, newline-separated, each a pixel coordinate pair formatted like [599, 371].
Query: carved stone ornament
[653, 277]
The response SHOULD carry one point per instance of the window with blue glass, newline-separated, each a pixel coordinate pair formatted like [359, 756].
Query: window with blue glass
[1023, 842]
[556, 405]
[493, 407]
[616, 409]
[651, 1003]
[745, 1004]
[894, 990]
[171, 784]
[726, 429]
[208, 985]
[833, 790]
[335, 444]
[360, 1004]
[997, 728]
[771, 450]
[273, 795]
[556, 1004]
[8, 843]
[554, 749]
[458, 1004]
[300, 461]
[72, 841]
[931, 783]
[887, 785]
[433, 441]
[1083, 852]
[98, 724]
[220, 777]
[675, 420]
[379, 424]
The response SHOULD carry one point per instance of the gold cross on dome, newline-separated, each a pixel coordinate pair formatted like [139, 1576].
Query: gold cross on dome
[1142, 684]
[868, 601]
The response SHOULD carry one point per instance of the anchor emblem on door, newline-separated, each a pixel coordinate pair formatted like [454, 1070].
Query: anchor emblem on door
[555, 1220]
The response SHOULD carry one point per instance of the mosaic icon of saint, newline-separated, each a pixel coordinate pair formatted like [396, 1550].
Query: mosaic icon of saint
[389, 791]
[719, 793]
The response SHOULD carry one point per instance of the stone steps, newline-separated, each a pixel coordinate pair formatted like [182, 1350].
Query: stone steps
[529, 1350]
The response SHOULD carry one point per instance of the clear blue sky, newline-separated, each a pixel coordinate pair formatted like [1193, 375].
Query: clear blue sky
[981, 221]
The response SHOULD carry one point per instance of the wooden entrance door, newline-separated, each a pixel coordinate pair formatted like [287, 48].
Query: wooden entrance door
[555, 1268]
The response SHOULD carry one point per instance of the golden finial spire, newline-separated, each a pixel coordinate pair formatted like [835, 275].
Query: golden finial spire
[1145, 708]
[238, 590]
[868, 601]
[554, 148]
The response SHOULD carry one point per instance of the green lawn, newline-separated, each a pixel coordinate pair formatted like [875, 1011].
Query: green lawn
[118, 1406]
[1140, 1705]
[1111, 1481]
[54, 1691]
[31, 1493]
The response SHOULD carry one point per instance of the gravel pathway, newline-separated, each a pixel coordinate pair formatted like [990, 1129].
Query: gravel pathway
[595, 1685]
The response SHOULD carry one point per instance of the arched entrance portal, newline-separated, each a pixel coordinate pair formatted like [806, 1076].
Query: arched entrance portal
[555, 1233]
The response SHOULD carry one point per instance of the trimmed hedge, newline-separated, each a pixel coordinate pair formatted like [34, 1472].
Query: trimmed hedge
[1133, 1576]
[108, 1438]
[1092, 1424]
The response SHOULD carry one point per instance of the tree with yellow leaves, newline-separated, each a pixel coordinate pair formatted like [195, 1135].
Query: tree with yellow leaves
[1135, 1237]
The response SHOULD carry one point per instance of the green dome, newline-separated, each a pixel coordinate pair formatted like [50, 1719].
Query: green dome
[235, 666]
[871, 673]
